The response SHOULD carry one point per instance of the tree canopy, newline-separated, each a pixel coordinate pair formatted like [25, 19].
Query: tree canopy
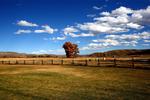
[71, 49]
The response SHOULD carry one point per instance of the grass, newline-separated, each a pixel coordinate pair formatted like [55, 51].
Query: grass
[55, 82]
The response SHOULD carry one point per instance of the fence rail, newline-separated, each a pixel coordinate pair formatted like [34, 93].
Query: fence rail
[99, 62]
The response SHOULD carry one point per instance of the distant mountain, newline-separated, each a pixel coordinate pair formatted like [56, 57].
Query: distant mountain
[23, 55]
[11, 55]
[125, 52]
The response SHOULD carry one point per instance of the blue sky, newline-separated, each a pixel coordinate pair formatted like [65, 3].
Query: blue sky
[43, 26]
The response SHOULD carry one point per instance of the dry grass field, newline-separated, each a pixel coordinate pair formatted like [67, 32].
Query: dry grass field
[56, 82]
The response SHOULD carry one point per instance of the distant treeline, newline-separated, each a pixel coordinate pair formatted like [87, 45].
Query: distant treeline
[116, 53]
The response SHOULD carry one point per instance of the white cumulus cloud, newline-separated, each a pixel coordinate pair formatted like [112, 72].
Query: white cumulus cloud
[147, 41]
[58, 38]
[46, 29]
[121, 11]
[119, 20]
[23, 31]
[26, 23]
[51, 51]
[97, 8]
[141, 16]
[118, 40]
[81, 35]
[69, 30]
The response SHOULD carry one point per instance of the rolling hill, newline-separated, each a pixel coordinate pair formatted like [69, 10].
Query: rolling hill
[125, 52]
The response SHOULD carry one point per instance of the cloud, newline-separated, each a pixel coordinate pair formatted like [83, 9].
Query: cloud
[101, 43]
[146, 44]
[23, 31]
[144, 35]
[129, 43]
[41, 52]
[39, 31]
[131, 38]
[81, 35]
[69, 30]
[141, 16]
[97, 8]
[147, 41]
[122, 11]
[119, 20]
[52, 51]
[58, 38]
[26, 23]
[107, 42]
[105, 13]
[113, 20]
[46, 29]
[124, 37]
[85, 48]
[118, 40]
[101, 28]
[93, 46]
[134, 26]
[91, 15]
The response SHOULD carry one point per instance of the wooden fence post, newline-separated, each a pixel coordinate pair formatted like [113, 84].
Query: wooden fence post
[133, 62]
[73, 62]
[62, 62]
[86, 62]
[52, 61]
[9, 62]
[33, 62]
[24, 62]
[114, 62]
[98, 62]
[16, 62]
[42, 62]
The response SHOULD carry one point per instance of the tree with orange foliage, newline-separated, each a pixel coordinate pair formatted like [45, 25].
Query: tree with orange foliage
[71, 49]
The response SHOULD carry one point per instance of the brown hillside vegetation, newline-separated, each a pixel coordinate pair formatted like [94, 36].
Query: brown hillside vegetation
[127, 52]
[117, 53]
[23, 55]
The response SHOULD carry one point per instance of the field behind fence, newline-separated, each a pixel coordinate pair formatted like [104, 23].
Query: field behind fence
[132, 62]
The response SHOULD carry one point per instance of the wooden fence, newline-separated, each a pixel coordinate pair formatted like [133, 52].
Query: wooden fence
[99, 62]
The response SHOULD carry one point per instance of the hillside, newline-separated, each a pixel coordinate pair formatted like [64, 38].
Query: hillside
[23, 55]
[125, 52]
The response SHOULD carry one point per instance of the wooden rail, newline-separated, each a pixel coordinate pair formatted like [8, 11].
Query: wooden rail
[113, 62]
